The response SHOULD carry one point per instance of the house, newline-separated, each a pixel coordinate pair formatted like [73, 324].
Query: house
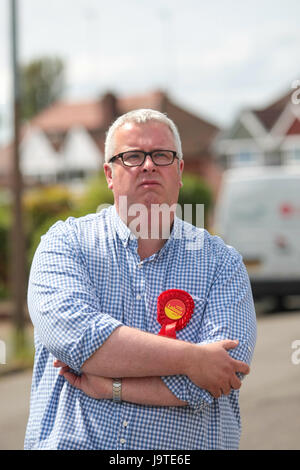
[66, 140]
[266, 136]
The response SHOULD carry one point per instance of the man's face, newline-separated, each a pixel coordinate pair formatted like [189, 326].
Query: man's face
[147, 184]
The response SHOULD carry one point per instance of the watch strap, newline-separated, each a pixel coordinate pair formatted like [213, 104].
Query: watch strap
[117, 390]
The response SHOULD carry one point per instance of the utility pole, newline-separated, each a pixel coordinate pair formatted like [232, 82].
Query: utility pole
[18, 244]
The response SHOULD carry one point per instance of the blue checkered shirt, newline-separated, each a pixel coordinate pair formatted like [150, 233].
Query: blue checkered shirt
[86, 280]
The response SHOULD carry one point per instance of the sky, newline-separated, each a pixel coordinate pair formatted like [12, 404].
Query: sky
[213, 57]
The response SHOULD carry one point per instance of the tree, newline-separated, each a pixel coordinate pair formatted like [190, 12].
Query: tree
[42, 83]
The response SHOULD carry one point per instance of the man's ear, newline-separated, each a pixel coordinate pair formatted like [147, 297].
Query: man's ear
[108, 175]
[181, 166]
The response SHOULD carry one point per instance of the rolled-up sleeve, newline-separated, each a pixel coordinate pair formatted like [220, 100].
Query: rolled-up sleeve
[229, 314]
[62, 302]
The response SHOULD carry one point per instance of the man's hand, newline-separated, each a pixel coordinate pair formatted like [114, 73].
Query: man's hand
[213, 369]
[91, 385]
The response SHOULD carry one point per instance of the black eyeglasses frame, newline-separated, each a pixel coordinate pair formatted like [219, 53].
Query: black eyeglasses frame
[120, 155]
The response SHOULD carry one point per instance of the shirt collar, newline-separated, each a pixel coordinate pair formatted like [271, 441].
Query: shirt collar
[122, 230]
[175, 233]
[126, 235]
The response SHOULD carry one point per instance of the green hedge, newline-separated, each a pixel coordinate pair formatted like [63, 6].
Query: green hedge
[45, 206]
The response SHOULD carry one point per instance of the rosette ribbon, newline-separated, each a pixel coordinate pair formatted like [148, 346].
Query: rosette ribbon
[174, 310]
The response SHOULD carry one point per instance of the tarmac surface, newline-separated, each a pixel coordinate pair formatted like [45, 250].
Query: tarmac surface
[14, 408]
[269, 397]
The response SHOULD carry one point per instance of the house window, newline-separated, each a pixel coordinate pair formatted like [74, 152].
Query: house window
[296, 155]
[244, 158]
[293, 156]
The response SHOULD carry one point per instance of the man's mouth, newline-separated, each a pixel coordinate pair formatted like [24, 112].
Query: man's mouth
[149, 183]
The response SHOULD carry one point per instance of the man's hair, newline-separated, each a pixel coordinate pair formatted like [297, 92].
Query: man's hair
[140, 116]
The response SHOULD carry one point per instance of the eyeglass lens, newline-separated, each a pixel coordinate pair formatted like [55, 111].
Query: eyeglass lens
[160, 157]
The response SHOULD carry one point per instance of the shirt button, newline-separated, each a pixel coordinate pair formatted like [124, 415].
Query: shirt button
[138, 297]
[125, 423]
[122, 441]
[140, 265]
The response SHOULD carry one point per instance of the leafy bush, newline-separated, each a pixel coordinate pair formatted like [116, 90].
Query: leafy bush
[96, 193]
[47, 205]
[196, 191]
[43, 207]
[46, 202]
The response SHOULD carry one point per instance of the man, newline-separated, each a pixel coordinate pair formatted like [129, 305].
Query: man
[93, 292]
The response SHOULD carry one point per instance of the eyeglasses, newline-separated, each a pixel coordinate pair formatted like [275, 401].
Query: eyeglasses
[137, 157]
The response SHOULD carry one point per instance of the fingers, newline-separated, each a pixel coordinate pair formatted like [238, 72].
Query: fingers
[226, 390]
[63, 370]
[228, 379]
[226, 387]
[229, 343]
[58, 363]
[72, 378]
[241, 367]
[216, 393]
[235, 382]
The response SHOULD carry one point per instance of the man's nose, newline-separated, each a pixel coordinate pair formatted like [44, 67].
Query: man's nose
[148, 164]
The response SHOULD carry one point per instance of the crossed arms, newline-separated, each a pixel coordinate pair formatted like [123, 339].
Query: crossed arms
[142, 358]
[66, 313]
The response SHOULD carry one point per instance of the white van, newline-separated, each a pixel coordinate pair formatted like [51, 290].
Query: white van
[258, 213]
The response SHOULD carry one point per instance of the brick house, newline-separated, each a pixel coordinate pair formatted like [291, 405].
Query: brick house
[53, 129]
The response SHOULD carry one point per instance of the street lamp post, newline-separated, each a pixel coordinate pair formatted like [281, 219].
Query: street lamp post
[18, 244]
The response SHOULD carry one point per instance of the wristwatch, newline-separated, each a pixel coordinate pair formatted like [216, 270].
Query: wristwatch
[117, 390]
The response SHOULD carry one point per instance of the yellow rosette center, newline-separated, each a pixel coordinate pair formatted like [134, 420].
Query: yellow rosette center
[175, 309]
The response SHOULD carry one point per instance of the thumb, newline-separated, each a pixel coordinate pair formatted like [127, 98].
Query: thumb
[58, 363]
[230, 343]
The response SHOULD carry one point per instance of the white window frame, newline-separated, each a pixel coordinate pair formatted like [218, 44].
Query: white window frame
[289, 148]
[256, 160]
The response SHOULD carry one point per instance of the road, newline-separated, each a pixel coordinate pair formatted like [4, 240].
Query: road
[14, 402]
[270, 396]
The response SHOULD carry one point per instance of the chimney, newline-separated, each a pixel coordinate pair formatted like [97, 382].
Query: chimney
[109, 107]
[163, 100]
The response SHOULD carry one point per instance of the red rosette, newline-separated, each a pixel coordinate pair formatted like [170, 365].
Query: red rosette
[174, 310]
